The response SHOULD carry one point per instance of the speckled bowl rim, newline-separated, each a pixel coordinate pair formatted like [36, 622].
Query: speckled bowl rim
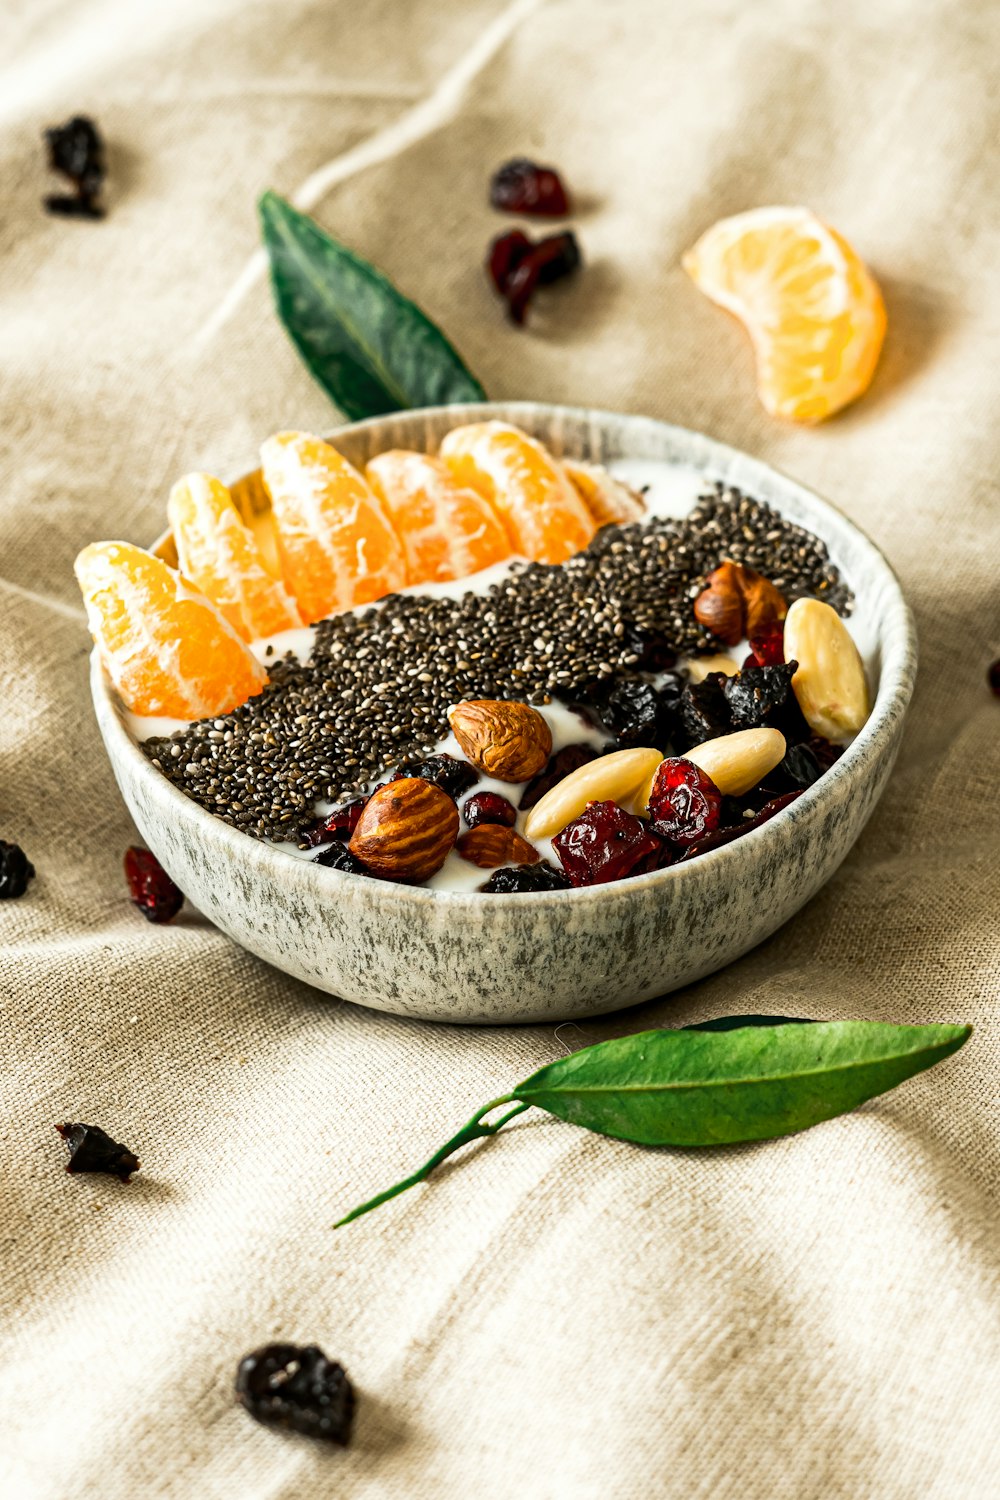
[894, 693]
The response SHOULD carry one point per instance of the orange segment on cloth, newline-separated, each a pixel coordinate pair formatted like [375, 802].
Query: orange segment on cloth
[545, 515]
[447, 529]
[812, 308]
[221, 557]
[336, 544]
[166, 647]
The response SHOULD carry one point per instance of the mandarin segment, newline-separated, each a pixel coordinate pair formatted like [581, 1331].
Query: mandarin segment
[448, 530]
[609, 501]
[545, 515]
[812, 308]
[222, 558]
[337, 546]
[166, 647]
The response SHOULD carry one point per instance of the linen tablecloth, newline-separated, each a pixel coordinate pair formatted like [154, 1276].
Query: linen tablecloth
[558, 1315]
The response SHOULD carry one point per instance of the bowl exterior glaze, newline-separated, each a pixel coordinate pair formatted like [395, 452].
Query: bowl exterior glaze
[564, 954]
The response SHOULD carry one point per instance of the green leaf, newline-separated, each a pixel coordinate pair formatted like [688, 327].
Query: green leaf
[710, 1088]
[369, 347]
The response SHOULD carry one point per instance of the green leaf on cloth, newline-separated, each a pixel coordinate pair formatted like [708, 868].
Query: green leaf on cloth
[369, 347]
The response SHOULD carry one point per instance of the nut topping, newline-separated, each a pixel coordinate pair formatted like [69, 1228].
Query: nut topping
[406, 830]
[830, 681]
[490, 844]
[610, 778]
[508, 741]
[737, 602]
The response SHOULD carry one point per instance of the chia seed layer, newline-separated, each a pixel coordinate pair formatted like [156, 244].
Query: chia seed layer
[375, 692]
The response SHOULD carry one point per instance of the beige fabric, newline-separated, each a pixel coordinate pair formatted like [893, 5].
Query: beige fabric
[559, 1315]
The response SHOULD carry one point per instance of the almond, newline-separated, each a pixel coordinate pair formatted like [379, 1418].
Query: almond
[406, 830]
[490, 844]
[736, 762]
[830, 681]
[736, 602]
[610, 778]
[508, 741]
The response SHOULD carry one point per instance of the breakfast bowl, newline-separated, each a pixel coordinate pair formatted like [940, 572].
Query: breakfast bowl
[468, 957]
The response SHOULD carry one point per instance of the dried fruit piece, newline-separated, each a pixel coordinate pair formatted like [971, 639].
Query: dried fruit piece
[490, 844]
[767, 645]
[830, 680]
[447, 529]
[811, 307]
[634, 711]
[545, 516]
[504, 255]
[738, 602]
[339, 857]
[452, 775]
[684, 802]
[736, 762]
[16, 870]
[76, 151]
[523, 879]
[540, 264]
[297, 1388]
[521, 186]
[728, 835]
[150, 887]
[569, 758]
[341, 823]
[488, 807]
[702, 712]
[993, 678]
[406, 830]
[603, 844]
[338, 548]
[91, 1149]
[509, 741]
[610, 778]
[609, 501]
[166, 647]
[759, 695]
[221, 557]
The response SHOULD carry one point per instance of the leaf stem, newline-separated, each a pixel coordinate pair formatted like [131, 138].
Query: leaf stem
[473, 1131]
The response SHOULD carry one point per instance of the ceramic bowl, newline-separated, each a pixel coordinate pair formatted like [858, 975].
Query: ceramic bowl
[565, 954]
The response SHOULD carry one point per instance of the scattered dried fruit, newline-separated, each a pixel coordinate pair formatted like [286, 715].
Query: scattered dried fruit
[830, 681]
[727, 835]
[993, 678]
[16, 870]
[406, 830]
[491, 844]
[297, 1388]
[737, 601]
[521, 186]
[759, 695]
[341, 823]
[610, 778]
[736, 762]
[517, 266]
[684, 802]
[522, 879]
[605, 843]
[150, 888]
[452, 775]
[488, 807]
[76, 151]
[339, 857]
[508, 741]
[91, 1149]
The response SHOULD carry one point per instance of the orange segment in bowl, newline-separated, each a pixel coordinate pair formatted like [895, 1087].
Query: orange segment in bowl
[447, 529]
[546, 517]
[336, 544]
[166, 647]
[221, 557]
[607, 498]
[812, 308]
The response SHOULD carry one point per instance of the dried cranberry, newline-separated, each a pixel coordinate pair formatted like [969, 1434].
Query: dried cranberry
[16, 870]
[339, 857]
[452, 775]
[505, 254]
[993, 677]
[488, 807]
[604, 843]
[91, 1149]
[518, 879]
[521, 186]
[150, 887]
[76, 151]
[767, 645]
[340, 824]
[297, 1388]
[569, 758]
[727, 835]
[702, 712]
[684, 804]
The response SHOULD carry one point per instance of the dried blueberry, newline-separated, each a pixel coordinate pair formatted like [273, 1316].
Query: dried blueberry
[799, 769]
[76, 151]
[514, 879]
[297, 1388]
[521, 186]
[16, 870]
[635, 712]
[702, 712]
[654, 650]
[150, 888]
[452, 775]
[339, 857]
[759, 695]
[569, 758]
[91, 1149]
